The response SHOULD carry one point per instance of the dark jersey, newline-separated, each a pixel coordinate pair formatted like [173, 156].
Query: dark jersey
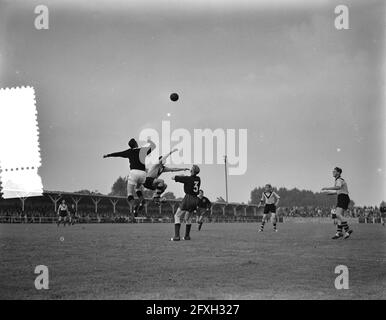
[382, 209]
[204, 203]
[191, 184]
[136, 157]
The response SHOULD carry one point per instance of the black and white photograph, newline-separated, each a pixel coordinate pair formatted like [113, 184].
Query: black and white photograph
[210, 151]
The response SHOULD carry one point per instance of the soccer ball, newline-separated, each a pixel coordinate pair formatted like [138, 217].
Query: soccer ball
[174, 97]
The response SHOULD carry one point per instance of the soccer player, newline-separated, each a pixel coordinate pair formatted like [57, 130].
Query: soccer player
[382, 209]
[367, 214]
[73, 215]
[270, 199]
[203, 207]
[340, 188]
[137, 175]
[153, 182]
[62, 213]
[189, 203]
[333, 216]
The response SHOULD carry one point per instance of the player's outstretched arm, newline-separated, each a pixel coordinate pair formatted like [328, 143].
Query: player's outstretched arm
[334, 188]
[329, 193]
[152, 145]
[166, 169]
[167, 155]
[145, 151]
[122, 154]
[181, 179]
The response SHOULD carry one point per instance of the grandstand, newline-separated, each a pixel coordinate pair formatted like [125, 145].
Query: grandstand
[94, 208]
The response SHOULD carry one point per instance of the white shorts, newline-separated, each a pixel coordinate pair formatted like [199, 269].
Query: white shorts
[135, 180]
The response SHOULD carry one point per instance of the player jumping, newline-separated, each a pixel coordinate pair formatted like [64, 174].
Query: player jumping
[137, 175]
[189, 203]
[340, 188]
[271, 200]
[153, 182]
[203, 207]
[63, 213]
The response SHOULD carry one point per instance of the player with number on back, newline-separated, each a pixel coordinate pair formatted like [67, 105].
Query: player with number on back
[189, 204]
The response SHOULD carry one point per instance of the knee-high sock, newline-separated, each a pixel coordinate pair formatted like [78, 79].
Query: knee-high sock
[177, 227]
[274, 221]
[187, 230]
[345, 226]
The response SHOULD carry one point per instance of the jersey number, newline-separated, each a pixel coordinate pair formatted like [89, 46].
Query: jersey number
[195, 188]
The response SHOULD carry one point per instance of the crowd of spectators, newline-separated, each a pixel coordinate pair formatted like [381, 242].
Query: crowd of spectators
[47, 215]
[367, 212]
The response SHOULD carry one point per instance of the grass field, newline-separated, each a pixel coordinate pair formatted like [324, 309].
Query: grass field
[223, 261]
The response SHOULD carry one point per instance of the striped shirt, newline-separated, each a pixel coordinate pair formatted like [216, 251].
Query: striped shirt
[269, 197]
[63, 207]
[339, 182]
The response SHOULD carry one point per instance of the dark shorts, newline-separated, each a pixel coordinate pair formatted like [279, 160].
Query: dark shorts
[269, 208]
[149, 183]
[189, 203]
[343, 201]
[63, 214]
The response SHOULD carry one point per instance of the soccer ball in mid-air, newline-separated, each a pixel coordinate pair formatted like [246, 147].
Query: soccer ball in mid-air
[174, 97]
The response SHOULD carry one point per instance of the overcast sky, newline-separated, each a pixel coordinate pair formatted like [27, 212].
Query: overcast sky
[310, 96]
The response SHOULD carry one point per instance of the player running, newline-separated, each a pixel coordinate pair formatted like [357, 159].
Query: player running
[270, 199]
[203, 207]
[189, 203]
[63, 213]
[153, 182]
[340, 188]
[137, 174]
